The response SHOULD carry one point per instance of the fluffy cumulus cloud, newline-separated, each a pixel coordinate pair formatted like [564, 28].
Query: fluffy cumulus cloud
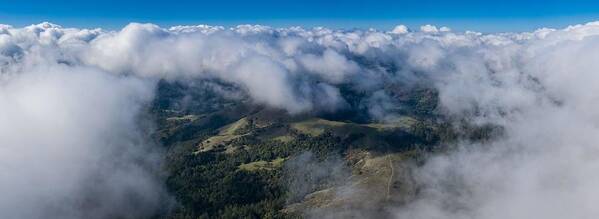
[72, 99]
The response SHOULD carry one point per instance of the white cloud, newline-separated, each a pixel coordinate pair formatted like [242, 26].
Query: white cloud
[71, 146]
[57, 83]
[444, 29]
[429, 29]
[542, 92]
[400, 29]
[330, 65]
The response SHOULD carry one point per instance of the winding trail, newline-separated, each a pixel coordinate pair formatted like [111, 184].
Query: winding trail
[390, 182]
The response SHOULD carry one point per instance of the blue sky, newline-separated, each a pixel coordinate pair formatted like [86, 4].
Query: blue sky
[486, 16]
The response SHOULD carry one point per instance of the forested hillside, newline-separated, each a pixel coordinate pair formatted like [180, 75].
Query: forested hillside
[227, 158]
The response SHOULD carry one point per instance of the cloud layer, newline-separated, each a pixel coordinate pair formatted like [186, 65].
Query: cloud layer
[71, 100]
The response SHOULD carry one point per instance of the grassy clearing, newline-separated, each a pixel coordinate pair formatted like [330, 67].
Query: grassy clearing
[404, 122]
[315, 127]
[225, 135]
[284, 138]
[188, 118]
[263, 165]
